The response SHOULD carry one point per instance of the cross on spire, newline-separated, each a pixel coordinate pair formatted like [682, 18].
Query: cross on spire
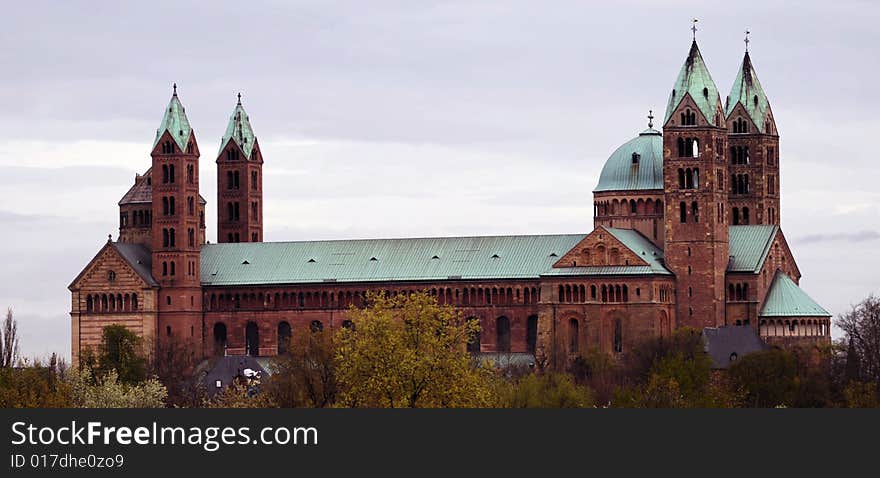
[694, 28]
[175, 88]
[747, 40]
[239, 99]
[650, 119]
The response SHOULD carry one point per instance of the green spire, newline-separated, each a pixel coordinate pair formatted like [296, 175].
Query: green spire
[239, 130]
[174, 121]
[747, 91]
[695, 79]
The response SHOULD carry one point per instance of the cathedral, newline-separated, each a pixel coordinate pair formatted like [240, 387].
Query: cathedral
[686, 234]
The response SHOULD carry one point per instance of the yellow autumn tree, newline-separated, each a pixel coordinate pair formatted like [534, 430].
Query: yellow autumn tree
[408, 351]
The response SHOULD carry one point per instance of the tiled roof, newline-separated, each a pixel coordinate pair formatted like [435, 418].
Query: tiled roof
[623, 173]
[371, 260]
[786, 299]
[747, 90]
[749, 246]
[139, 258]
[694, 78]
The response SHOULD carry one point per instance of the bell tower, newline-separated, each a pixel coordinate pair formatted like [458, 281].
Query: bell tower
[239, 182]
[696, 245]
[754, 150]
[175, 228]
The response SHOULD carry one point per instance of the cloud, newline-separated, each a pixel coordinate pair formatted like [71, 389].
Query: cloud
[859, 236]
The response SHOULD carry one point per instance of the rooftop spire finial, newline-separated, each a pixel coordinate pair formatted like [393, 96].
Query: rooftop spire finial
[239, 99]
[747, 40]
[650, 119]
[175, 88]
[694, 28]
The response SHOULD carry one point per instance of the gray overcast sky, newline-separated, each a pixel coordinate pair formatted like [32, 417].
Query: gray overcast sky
[414, 118]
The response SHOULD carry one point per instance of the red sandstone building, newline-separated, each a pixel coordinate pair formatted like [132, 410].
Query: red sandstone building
[686, 234]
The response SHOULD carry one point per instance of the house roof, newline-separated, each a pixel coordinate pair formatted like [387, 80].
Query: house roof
[727, 344]
[747, 90]
[239, 130]
[635, 165]
[372, 260]
[139, 258]
[749, 246]
[786, 299]
[694, 79]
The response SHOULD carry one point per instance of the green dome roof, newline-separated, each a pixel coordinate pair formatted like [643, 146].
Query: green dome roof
[636, 165]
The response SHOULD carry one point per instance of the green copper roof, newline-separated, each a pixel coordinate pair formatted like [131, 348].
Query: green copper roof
[239, 130]
[695, 79]
[747, 90]
[786, 299]
[749, 246]
[371, 260]
[624, 171]
[174, 121]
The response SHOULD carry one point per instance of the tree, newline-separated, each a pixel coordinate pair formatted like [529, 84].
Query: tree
[548, 390]
[408, 351]
[9, 341]
[861, 328]
[32, 386]
[767, 378]
[306, 375]
[108, 391]
[120, 351]
[174, 365]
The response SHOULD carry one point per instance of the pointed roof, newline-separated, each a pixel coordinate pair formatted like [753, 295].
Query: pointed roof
[174, 121]
[695, 79]
[786, 299]
[747, 91]
[239, 130]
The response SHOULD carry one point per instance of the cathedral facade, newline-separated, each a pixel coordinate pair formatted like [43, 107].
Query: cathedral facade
[686, 234]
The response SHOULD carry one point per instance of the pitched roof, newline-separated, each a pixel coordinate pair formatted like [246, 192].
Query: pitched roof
[174, 121]
[371, 260]
[622, 172]
[694, 79]
[727, 344]
[747, 90]
[139, 258]
[786, 299]
[749, 246]
[142, 191]
[239, 130]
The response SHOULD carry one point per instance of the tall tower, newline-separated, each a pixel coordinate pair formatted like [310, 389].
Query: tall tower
[754, 151]
[694, 142]
[175, 227]
[239, 182]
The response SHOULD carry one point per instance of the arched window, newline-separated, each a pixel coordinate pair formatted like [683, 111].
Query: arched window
[695, 148]
[731, 293]
[593, 292]
[617, 344]
[573, 336]
[284, 334]
[219, 339]
[681, 148]
[230, 211]
[502, 330]
[252, 339]
[171, 208]
[682, 210]
[632, 206]
[689, 179]
[735, 213]
[745, 215]
[561, 293]
[681, 183]
[532, 333]
[604, 293]
[695, 212]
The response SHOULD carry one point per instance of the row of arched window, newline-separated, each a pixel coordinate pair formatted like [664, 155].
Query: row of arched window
[794, 328]
[738, 292]
[605, 293]
[473, 296]
[232, 154]
[739, 155]
[740, 126]
[167, 174]
[139, 217]
[683, 212]
[232, 211]
[232, 180]
[688, 118]
[688, 148]
[740, 216]
[624, 207]
[739, 184]
[168, 237]
[503, 335]
[119, 302]
[168, 207]
[689, 178]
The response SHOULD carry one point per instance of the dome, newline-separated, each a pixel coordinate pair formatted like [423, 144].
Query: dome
[636, 165]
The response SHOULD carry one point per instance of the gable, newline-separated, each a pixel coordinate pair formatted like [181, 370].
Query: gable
[600, 248]
[780, 258]
[686, 104]
[97, 273]
[739, 112]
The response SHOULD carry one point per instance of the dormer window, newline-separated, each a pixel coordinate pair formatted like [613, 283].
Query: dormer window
[635, 158]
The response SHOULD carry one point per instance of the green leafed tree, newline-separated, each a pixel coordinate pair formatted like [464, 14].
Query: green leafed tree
[121, 351]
